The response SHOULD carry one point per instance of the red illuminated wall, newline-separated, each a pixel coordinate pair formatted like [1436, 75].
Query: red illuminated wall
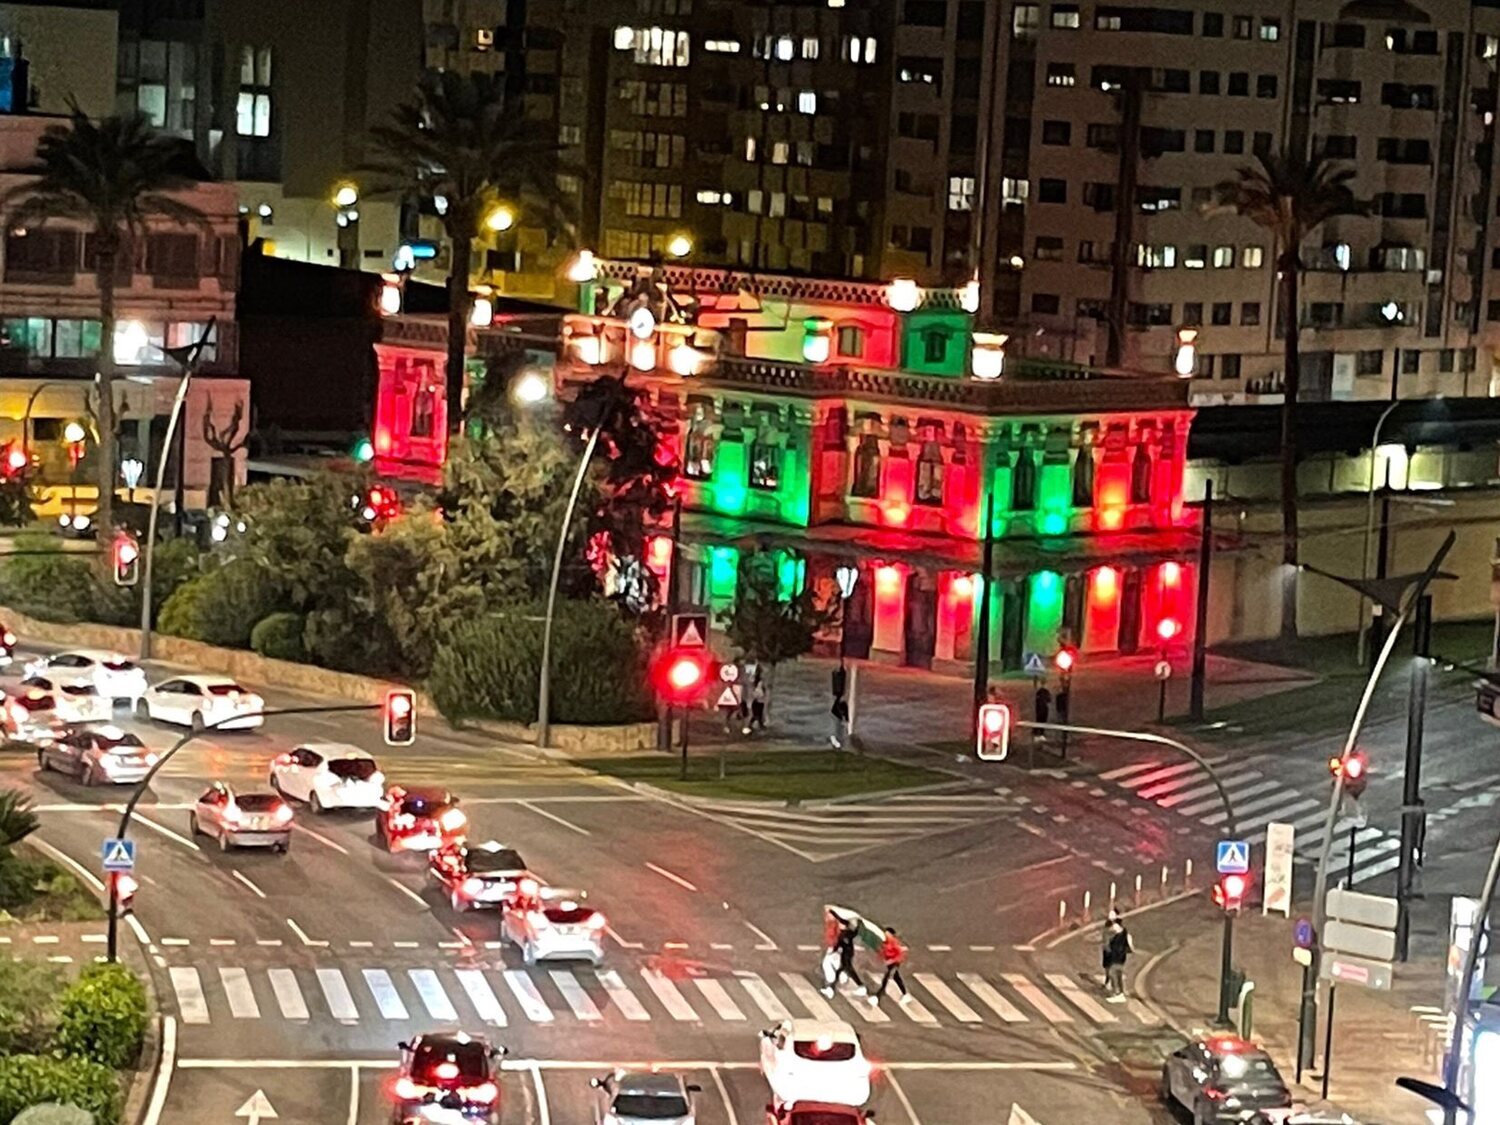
[411, 414]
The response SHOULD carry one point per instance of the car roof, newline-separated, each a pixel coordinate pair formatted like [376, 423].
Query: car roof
[426, 794]
[99, 654]
[441, 1039]
[205, 681]
[837, 1030]
[503, 859]
[1222, 1045]
[336, 750]
[648, 1082]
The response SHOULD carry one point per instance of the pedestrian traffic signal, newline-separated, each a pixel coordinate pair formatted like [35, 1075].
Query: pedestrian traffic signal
[1168, 628]
[400, 717]
[1066, 657]
[1355, 770]
[125, 886]
[679, 675]
[1230, 891]
[993, 740]
[127, 559]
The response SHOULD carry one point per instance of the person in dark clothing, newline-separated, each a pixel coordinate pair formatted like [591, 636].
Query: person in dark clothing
[846, 969]
[893, 953]
[1117, 949]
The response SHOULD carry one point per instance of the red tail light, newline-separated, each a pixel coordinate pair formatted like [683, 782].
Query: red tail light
[1214, 1094]
[283, 759]
[472, 887]
[10, 638]
[597, 922]
[406, 1089]
[483, 1094]
[283, 814]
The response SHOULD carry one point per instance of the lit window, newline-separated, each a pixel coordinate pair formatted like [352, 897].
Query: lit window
[1252, 257]
[1014, 191]
[1156, 257]
[1270, 30]
[1223, 257]
[765, 463]
[484, 38]
[750, 149]
[709, 195]
[624, 38]
[655, 46]
[785, 48]
[960, 193]
[1196, 257]
[1062, 74]
[780, 151]
[253, 115]
[809, 47]
[722, 46]
[1065, 16]
[807, 101]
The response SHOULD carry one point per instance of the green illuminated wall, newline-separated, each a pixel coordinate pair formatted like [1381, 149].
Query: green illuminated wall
[730, 486]
[723, 565]
[953, 323]
[1044, 611]
[1054, 497]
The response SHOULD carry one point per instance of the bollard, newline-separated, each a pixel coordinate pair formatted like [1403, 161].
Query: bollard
[1164, 880]
[1088, 898]
[1111, 894]
[1187, 875]
[1062, 913]
[1138, 889]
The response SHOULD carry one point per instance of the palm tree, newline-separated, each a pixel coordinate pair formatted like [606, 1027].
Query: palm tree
[112, 176]
[17, 820]
[460, 149]
[1290, 195]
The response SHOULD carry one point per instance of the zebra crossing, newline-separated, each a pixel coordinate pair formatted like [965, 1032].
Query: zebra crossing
[594, 997]
[1258, 800]
[835, 829]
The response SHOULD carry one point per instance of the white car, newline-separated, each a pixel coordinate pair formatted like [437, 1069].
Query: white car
[814, 1060]
[114, 675]
[329, 775]
[547, 924]
[203, 701]
[42, 702]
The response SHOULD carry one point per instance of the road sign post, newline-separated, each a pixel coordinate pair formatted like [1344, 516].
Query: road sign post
[1358, 945]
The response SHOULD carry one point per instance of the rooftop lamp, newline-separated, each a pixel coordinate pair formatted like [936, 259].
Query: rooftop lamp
[987, 360]
[903, 294]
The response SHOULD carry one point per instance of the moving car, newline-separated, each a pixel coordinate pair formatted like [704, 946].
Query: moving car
[818, 1113]
[477, 875]
[115, 676]
[329, 775]
[96, 755]
[74, 698]
[419, 818]
[242, 820]
[201, 701]
[547, 924]
[814, 1060]
[1222, 1078]
[448, 1071]
[643, 1097]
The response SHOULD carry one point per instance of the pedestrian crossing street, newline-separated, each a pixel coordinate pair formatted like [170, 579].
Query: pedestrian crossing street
[834, 829]
[568, 997]
[1258, 800]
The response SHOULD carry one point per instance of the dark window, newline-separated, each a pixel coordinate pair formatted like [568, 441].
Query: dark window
[930, 474]
[970, 20]
[1203, 140]
[52, 252]
[172, 256]
[1339, 146]
[1213, 25]
[1101, 197]
[1445, 359]
[1052, 190]
[851, 341]
[1244, 26]
[1103, 135]
[1155, 199]
[1249, 314]
[1162, 21]
[1208, 82]
[765, 463]
[1148, 315]
[1371, 362]
[1404, 150]
[1338, 91]
[1083, 479]
[866, 482]
[1234, 141]
[1140, 476]
[1265, 85]
[1057, 132]
[1239, 84]
[1400, 95]
[1023, 482]
[1411, 361]
[1344, 35]
[1192, 314]
[423, 409]
[1260, 144]
[935, 347]
[1045, 304]
[1222, 313]
[1155, 141]
[1172, 81]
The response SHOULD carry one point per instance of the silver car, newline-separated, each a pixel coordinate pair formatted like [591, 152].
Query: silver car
[96, 755]
[643, 1097]
[242, 820]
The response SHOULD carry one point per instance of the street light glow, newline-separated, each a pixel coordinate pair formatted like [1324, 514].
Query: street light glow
[346, 195]
[680, 246]
[500, 218]
[530, 387]
[74, 433]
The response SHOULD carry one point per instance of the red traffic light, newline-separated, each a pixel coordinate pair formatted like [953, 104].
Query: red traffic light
[1066, 657]
[680, 674]
[127, 557]
[1168, 628]
[1355, 770]
[992, 743]
[1230, 890]
[400, 714]
[684, 674]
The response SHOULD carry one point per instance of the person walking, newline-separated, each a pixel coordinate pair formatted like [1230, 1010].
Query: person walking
[845, 950]
[758, 697]
[893, 954]
[1118, 947]
[840, 708]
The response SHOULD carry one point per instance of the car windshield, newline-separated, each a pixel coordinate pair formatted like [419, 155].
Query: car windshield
[257, 802]
[822, 1050]
[470, 1059]
[483, 862]
[115, 741]
[352, 769]
[119, 665]
[567, 916]
[78, 689]
[425, 804]
[224, 689]
[653, 1107]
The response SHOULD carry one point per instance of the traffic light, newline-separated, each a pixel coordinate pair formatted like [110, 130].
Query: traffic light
[993, 740]
[400, 717]
[14, 461]
[1230, 891]
[380, 504]
[1355, 770]
[127, 559]
[125, 887]
[1168, 628]
[679, 675]
[1065, 658]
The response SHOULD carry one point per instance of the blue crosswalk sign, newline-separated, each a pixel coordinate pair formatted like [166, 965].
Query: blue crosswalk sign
[1233, 857]
[118, 855]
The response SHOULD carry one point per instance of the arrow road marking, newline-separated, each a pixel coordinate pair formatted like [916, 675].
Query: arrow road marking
[257, 1107]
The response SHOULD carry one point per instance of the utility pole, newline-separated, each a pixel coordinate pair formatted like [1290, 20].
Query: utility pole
[1197, 683]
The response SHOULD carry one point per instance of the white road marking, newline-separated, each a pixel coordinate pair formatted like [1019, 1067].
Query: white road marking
[353, 1117]
[524, 989]
[482, 996]
[222, 941]
[718, 999]
[809, 997]
[621, 942]
[905, 1101]
[672, 1000]
[543, 1111]
[164, 1067]
[665, 874]
[136, 928]
[991, 998]
[866, 1011]
[583, 1007]
[301, 933]
[408, 892]
[766, 1000]
[242, 1005]
[165, 831]
[288, 994]
[336, 992]
[530, 807]
[1080, 999]
[191, 1003]
[322, 839]
[766, 941]
[1126, 771]
[1036, 998]
[272, 942]
[387, 999]
[50, 939]
[431, 990]
[713, 1072]
[624, 999]
[168, 940]
[246, 882]
[361, 945]
[947, 998]
[916, 1011]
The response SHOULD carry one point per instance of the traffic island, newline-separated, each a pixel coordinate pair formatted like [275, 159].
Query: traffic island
[770, 775]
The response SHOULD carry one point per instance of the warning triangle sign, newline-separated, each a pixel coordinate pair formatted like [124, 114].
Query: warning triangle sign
[691, 637]
[729, 697]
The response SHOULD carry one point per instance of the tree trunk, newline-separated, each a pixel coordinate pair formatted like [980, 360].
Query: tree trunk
[104, 515]
[459, 309]
[1291, 380]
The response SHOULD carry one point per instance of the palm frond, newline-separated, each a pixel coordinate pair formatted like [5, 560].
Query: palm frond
[1290, 194]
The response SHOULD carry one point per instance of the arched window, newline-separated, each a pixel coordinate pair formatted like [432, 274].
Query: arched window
[698, 449]
[1140, 476]
[1023, 482]
[1083, 478]
[866, 483]
[765, 461]
[423, 403]
[930, 473]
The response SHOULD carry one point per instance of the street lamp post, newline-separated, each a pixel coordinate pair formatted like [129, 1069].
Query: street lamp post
[1362, 649]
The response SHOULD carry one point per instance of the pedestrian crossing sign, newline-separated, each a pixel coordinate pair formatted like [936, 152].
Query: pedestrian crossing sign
[1034, 664]
[729, 697]
[118, 855]
[1233, 857]
[690, 630]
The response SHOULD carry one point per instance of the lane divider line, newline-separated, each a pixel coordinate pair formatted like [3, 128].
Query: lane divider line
[665, 874]
[246, 882]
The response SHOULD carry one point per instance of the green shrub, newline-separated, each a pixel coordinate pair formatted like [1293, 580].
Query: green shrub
[49, 585]
[222, 606]
[28, 1005]
[102, 1016]
[279, 637]
[38, 890]
[489, 668]
[347, 639]
[28, 1080]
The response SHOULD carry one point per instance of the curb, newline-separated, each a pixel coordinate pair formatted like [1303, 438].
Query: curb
[146, 1074]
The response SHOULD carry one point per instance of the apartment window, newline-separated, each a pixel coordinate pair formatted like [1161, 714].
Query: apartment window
[1104, 135]
[1229, 367]
[655, 46]
[1203, 140]
[851, 341]
[1401, 205]
[1192, 314]
[1338, 91]
[1048, 304]
[1155, 141]
[1195, 256]
[710, 195]
[172, 257]
[1243, 26]
[1047, 249]
[722, 46]
[1153, 200]
[1371, 362]
[1208, 82]
[41, 252]
[961, 193]
[1411, 361]
[1049, 190]
[78, 338]
[1249, 313]
[1057, 132]
[765, 463]
[1400, 95]
[1221, 313]
[930, 473]
[649, 150]
[781, 152]
[1344, 35]
[1270, 30]
[935, 347]
[859, 49]
[1091, 253]
[1092, 308]
[1213, 25]
[807, 101]
[1025, 21]
[1252, 257]
[655, 99]
[646, 200]
[568, 135]
[920, 69]
[1062, 74]
[1446, 357]
[1339, 146]
[810, 46]
[1466, 360]
[1234, 141]
[1152, 257]
[1099, 196]
[928, 13]
[1239, 84]
[1148, 316]
[1265, 85]
[1140, 476]
[1171, 81]
[1326, 314]
[253, 114]
[917, 126]
[1260, 144]
[1065, 16]
[1398, 258]
[1014, 192]
[1404, 150]
[866, 482]
[1223, 257]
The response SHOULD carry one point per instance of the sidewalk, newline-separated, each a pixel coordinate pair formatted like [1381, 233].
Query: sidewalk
[1377, 1037]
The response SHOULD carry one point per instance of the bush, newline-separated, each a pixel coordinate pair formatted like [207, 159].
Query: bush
[28, 1080]
[37, 890]
[49, 585]
[279, 637]
[222, 606]
[28, 1005]
[488, 669]
[347, 639]
[103, 1016]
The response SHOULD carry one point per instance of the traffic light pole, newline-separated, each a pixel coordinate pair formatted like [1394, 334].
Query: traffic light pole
[982, 638]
